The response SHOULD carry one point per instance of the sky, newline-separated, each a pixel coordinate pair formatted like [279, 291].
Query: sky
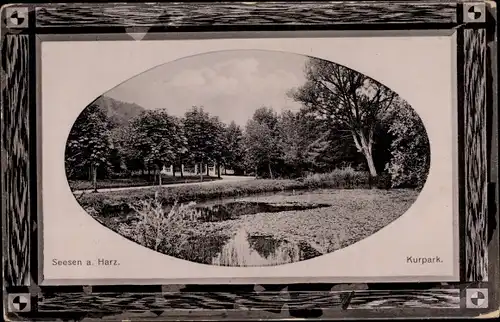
[228, 84]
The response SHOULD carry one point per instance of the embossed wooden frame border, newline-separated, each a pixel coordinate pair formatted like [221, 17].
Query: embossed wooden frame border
[479, 176]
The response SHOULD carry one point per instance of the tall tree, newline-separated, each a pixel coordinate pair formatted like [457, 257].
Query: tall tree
[158, 138]
[123, 140]
[201, 136]
[266, 116]
[88, 144]
[261, 140]
[218, 151]
[303, 140]
[341, 95]
[292, 142]
[181, 144]
[234, 153]
[410, 149]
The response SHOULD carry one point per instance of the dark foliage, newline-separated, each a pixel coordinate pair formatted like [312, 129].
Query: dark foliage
[348, 121]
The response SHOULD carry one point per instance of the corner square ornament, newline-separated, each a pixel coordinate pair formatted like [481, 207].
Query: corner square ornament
[16, 17]
[19, 303]
[474, 12]
[477, 298]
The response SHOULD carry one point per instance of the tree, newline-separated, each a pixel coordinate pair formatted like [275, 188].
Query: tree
[266, 116]
[181, 144]
[219, 149]
[293, 143]
[261, 140]
[158, 138]
[234, 150]
[123, 140]
[340, 95]
[410, 149]
[202, 138]
[88, 144]
[307, 143]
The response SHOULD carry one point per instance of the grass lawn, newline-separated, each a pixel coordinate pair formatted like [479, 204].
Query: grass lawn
[138, 181]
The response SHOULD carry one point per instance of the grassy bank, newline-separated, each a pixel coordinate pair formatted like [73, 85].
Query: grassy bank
[138, 181]
[108, 202]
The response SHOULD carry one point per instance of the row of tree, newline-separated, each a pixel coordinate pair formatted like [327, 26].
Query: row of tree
[346, 119]
[153, 139]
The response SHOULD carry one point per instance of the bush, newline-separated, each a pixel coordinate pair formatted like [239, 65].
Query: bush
[125, 174]
[410, 150]
[383, 181]
[346, 178]
[155, 227]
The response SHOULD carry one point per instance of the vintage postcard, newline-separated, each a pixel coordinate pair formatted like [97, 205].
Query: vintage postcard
[233, 160]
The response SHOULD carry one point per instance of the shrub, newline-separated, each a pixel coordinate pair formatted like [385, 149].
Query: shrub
[155, 227]
[124, 174]
[347, 178]
[410, 150]
[383, 181]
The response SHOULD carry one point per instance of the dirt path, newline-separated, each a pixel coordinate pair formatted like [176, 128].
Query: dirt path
[224, 180]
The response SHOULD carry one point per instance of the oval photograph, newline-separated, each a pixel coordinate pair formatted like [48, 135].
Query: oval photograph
[247, 158]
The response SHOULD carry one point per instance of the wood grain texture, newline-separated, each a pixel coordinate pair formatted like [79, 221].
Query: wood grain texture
[181, 304]
[475, 150]
[413, 299]
[15, 159]
[240, 13]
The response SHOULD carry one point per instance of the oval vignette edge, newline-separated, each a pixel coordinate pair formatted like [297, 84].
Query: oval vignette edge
[247, 158]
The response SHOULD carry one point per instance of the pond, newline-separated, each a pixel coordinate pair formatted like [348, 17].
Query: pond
[217, 235]
[233, 209]
[266, 229]
[244, 249]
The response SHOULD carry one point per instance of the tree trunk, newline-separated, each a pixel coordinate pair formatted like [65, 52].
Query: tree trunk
[270, 170]
[366, 148]
[225, 170]
[218, 170]
[208, 170]
[182, 171]
[159, 178]
[201, 171]
[367, 151]
[94, 177]
[371, 164]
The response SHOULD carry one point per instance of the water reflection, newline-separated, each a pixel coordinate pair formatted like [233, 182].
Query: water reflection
[209, 240]
[232, 210]
[247, 250]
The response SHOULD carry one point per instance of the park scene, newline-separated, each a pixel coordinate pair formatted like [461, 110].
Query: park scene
[247, 158]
